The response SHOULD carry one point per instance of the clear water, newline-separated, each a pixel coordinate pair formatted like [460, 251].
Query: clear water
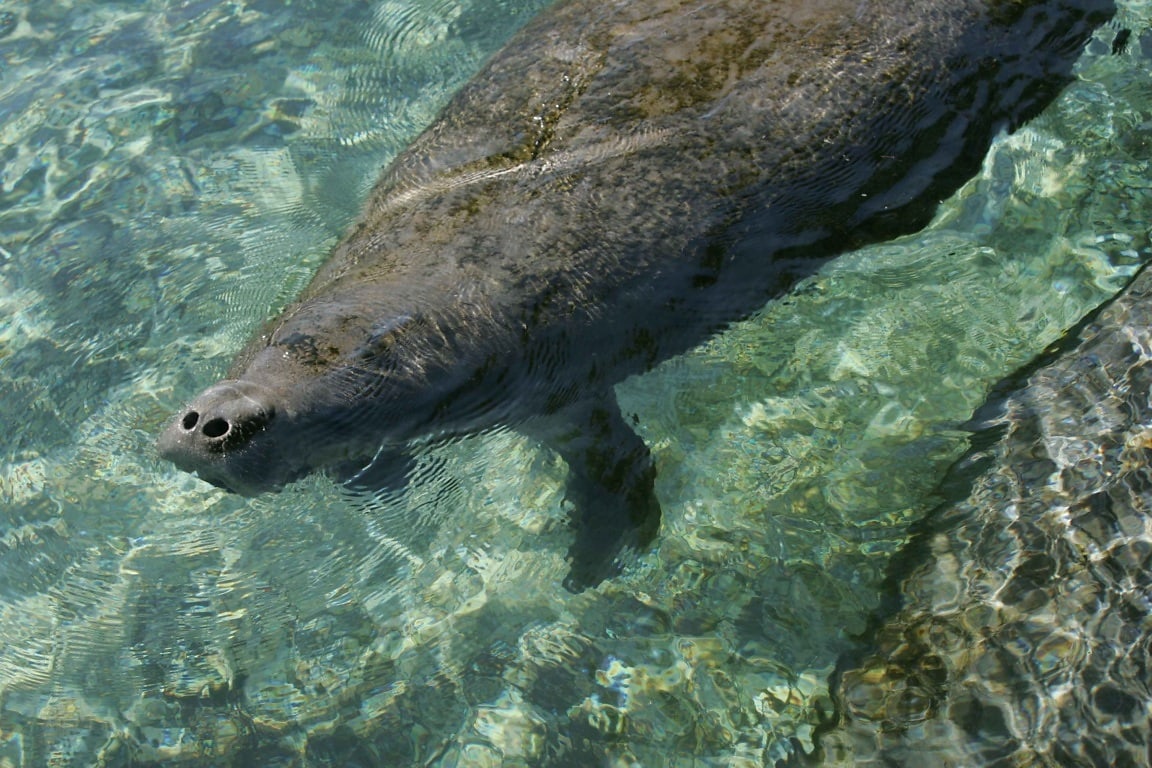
[171, 173]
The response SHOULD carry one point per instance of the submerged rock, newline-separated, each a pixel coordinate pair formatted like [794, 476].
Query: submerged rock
[1023, 637]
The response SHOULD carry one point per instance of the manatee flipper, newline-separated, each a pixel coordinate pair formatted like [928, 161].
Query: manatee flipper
[611, 485]
[387, 473]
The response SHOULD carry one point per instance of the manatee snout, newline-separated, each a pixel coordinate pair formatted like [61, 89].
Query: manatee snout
[214, 433]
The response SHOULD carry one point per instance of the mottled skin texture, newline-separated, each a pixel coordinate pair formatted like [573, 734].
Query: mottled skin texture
[623, 179]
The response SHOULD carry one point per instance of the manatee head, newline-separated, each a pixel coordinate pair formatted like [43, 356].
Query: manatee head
[226, 435]
[296, 402]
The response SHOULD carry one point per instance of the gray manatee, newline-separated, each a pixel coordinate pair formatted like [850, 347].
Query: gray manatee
[623, 179]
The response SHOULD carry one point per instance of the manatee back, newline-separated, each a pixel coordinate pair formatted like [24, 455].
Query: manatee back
[629, 176]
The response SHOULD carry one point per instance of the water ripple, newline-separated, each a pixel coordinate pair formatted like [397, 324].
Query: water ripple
[173, 173]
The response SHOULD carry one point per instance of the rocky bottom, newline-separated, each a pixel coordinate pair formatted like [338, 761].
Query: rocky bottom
[1024, 633]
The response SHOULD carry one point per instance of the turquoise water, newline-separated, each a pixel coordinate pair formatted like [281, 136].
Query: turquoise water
[173, 172]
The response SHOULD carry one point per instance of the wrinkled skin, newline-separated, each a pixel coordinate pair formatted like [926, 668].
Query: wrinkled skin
[622, 180]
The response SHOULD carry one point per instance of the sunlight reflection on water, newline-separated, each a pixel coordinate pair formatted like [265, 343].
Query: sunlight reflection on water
[157, 207]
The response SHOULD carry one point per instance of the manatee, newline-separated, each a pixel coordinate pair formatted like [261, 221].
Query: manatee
[620, 181]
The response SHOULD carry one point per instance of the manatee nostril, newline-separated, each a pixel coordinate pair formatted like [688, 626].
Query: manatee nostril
[214, 428]
[222, 419]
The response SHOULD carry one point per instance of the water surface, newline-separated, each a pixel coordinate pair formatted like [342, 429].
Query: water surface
[171, 173]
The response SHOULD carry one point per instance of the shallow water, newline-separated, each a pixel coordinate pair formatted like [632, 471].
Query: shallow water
[173, 172]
